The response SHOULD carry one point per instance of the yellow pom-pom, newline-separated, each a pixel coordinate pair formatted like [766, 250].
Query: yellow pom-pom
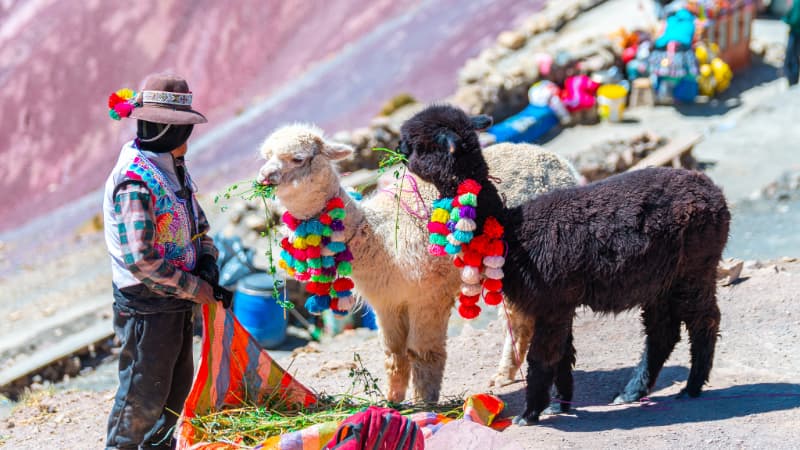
[300, 243]
[291, 272]
[440, 215]
[282, 264]
[313, 240]
[125, 93]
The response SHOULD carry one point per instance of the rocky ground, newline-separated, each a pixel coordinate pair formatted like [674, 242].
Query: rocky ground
[752, 400]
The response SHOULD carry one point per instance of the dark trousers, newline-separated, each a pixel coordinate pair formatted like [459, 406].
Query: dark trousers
[791, 63]
[155, 375]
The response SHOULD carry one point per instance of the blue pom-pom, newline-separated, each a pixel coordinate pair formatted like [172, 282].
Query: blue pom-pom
[336, 247]
[316, 304]
[342, 294]
[463, 236]
[444, 203]
[340, 313]
[301, 230]
[286, 256]
[328, 261]
[452, 249]
[314, 226]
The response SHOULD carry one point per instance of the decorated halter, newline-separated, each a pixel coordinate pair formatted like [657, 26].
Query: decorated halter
[480, 258]
[317, 254]
[121, 103]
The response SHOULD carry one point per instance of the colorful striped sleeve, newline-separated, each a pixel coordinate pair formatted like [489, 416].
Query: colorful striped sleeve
[136, 227]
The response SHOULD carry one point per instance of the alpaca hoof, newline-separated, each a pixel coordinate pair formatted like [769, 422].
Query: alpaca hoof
[628, 397]
[556, 408]
[500, 380]
[524, 419]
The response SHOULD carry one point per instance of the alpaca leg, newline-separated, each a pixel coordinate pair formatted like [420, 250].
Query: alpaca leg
[393, 325]
[426, 348]
[663, 330]
[518, 329]
[703, 326]
[563, 381]
[547, 350]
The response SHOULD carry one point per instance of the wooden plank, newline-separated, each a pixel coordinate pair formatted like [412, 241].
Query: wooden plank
[665, 155]
[66, 347]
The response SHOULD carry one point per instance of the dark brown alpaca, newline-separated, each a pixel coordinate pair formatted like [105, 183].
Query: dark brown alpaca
[650, 239]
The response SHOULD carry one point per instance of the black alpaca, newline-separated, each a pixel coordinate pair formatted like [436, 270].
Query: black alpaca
[650, 238]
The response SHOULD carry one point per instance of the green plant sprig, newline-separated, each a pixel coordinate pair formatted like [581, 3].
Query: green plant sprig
[254, 190]
[389, 159]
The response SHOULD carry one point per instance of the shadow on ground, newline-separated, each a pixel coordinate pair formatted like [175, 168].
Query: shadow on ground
[598, 388]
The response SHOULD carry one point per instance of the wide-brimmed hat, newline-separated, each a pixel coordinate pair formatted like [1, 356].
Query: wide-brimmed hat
[166, 98]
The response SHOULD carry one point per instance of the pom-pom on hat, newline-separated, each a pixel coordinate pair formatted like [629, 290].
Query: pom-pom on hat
[165, 99]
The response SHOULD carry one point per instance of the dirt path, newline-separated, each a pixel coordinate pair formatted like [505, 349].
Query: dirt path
[751, 401]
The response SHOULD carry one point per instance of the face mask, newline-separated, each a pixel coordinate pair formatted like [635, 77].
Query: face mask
[161, 138]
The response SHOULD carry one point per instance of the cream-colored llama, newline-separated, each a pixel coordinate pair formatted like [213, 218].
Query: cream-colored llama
[411, 291]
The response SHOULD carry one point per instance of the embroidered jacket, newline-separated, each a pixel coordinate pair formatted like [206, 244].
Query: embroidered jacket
[154, 236]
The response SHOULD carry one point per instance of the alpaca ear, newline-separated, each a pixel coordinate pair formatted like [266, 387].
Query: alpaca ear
[481, 122]
[336, 151]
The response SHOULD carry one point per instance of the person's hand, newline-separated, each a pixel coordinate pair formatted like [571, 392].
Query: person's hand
[205, 294]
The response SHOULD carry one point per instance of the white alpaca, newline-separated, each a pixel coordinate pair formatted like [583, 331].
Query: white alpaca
[411, 291]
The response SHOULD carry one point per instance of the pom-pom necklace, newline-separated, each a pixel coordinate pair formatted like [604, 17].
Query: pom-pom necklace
[480, 257]
[317, 254]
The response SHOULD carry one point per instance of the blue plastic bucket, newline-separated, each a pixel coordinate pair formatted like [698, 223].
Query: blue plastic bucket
[258, 312]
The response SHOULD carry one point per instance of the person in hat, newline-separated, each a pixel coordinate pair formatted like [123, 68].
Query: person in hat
[163, 262]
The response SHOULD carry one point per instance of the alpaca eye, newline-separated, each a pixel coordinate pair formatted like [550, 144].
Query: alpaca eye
[298, 159]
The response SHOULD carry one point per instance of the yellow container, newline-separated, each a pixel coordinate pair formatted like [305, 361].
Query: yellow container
[611, 102]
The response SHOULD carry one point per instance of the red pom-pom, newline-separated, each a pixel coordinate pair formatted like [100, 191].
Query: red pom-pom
[438, 227]
[318, 288]
[493, 298]
[313, 252]
[325, 219]
[468, 299]
[492, 228]
[285, 244]
[495, 248]
[493, 285]
[479, 244]
[458, 262]
[123, 109]
[343, 284]
[114, 100]
[334, 203]
[289, 220]
[469, 311]
[470, 185]
[472, 258]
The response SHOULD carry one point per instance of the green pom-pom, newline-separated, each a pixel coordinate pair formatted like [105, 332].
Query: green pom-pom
[337, 213]
[324, 278]
[468, 199]
[327, 232]
[300, 266]
[114, 115]
[438, 239]
[455, 215]
[344, 268]
[315, 263]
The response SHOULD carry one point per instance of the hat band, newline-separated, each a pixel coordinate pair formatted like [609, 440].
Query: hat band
[167, 98]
